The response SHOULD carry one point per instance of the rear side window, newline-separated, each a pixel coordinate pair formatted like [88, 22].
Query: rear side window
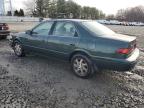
[43, 29]
[64, 29]
[97, 28]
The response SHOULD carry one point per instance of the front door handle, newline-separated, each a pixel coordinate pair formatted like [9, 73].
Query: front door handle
[72, 44]
[34, 36]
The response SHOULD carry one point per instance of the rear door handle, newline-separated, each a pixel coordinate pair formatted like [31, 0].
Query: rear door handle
[34, 36]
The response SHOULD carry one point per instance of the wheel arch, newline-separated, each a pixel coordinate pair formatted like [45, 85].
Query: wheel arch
[79, 52]
[15, 40]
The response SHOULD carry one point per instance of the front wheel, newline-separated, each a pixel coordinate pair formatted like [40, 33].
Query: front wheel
[19, 51]
[4, 37]
[82, 66]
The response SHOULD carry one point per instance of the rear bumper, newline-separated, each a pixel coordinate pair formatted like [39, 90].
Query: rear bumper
[4, 33]
[118, 64]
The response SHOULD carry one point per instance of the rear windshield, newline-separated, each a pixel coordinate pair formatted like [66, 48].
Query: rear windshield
[97, 29]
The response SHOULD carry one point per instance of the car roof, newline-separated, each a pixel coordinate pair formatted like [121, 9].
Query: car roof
[72, 20]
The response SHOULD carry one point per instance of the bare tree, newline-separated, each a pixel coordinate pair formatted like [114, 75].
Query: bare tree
[30, 7]
[61, 8]
[110, 17]
[131, 14]
[120, 15]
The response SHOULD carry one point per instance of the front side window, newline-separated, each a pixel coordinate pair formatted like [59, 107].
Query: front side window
[64, 29]
[43, 29]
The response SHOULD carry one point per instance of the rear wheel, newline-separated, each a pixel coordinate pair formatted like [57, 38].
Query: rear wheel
[18, 49]
[82, 66]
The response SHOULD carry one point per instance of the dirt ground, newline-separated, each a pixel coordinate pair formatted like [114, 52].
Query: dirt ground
[21, 26]
[37, 82]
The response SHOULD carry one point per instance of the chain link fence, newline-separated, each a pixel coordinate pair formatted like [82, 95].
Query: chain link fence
[20, 19]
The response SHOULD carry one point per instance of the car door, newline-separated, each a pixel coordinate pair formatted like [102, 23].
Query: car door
[37, 40]
[64, 39]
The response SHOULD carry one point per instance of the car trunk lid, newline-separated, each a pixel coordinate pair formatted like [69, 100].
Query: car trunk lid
[131, 44]
[122, 37]
[126, 48]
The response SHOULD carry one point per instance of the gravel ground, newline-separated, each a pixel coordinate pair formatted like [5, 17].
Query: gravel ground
[36, 82]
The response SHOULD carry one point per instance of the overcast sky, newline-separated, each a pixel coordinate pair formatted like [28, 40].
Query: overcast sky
[107, 6]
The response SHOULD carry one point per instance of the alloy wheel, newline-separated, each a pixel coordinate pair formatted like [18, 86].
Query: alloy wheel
[80, 66]
[18, 49]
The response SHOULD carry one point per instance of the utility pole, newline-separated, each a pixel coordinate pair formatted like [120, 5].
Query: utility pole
[9, 4]
[11, 8]
[2, 7]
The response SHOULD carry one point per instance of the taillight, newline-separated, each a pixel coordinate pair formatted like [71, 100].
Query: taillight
[5, 27]
[124, 50]
[132, 46]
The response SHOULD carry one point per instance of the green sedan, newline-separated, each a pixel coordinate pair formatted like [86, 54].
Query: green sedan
[86, 44]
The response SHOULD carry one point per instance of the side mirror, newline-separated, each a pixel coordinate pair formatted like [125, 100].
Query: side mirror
[28, 32]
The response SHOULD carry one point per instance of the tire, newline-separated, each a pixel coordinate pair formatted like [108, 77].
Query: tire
[4, 37]
[82, 66]
[18, 49]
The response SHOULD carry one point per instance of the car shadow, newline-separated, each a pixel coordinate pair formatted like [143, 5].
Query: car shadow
[46, 75]
[47, 67]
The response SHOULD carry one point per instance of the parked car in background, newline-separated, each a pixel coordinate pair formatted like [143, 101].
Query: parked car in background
[114, 22]
[103, 22]
[124, 23]
[41, 19]
[87, 45]
[138, 24]
[4, 30]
